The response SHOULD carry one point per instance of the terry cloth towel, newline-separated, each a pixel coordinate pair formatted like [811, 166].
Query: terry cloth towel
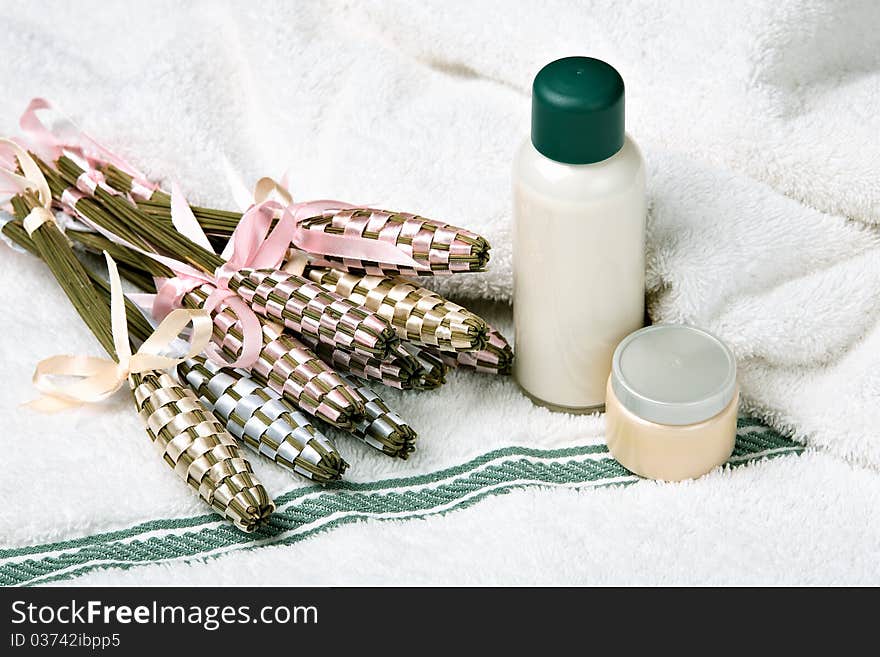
[760, 138]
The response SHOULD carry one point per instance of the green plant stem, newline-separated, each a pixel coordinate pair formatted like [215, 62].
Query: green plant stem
[138, 326]
[150, 234]
[158, 206]
[56, 252]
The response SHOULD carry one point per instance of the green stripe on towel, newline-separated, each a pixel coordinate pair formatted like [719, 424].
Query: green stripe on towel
[307, 510]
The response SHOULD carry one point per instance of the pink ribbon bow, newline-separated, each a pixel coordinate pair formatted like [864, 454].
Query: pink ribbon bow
[252, 246]
[318, 242]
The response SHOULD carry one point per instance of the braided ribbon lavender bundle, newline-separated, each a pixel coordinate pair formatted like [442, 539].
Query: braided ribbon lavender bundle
[419, 315]
[188, 437]
[331, 231]
[433, 247]
[381, 427]
[264, 421]
[495, 358]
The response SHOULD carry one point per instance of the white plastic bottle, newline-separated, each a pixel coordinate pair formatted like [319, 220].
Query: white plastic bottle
[579, 235]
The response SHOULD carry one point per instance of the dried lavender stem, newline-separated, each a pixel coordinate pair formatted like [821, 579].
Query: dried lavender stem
[55, 250]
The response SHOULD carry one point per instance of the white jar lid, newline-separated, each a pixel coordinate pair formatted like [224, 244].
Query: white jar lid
[673, 374]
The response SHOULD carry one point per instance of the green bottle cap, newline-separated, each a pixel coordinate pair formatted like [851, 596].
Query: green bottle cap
[577, 110]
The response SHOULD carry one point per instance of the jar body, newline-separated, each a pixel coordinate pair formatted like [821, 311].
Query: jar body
[579, 272]
[666, 451]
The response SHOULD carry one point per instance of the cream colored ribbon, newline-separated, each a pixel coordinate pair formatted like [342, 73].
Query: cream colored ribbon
[99, 378]
[32, 179]
[270, 189]
[295, 264]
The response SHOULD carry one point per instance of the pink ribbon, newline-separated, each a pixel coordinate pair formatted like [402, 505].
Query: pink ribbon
[317, 242]
[171, 291]
[90, 179]
[256, 245]
[49, 146]
[252, 246]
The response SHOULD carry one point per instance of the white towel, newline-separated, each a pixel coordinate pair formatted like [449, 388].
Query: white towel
[759, 125]
[758, 122]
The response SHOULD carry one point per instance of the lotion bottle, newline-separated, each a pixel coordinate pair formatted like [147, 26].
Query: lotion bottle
[579, 235]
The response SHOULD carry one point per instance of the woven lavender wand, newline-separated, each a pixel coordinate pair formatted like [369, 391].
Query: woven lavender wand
[381, 427]
[417, 314]
[264, 421]
[439, 248]
[495, 358]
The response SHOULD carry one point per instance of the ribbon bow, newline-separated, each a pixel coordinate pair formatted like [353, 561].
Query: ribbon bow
[33, 180]
[318, 242]
[254, 246]
[251, 246]
[99, 378]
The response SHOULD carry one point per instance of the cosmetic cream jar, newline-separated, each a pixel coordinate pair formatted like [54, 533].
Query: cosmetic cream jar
[671, 402]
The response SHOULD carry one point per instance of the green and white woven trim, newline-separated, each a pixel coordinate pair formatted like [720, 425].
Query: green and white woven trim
[305, 511]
